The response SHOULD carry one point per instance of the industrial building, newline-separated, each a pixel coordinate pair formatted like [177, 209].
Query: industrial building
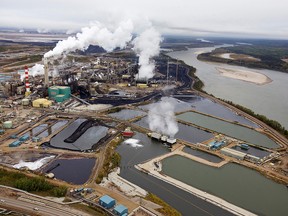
[233, 153]
[107, 201]
[41, 102]
[59, 93]
[15, 143]
[253, 158]
[24, 138]
[120, 210]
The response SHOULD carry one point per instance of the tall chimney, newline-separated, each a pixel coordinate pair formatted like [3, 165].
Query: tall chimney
[46, 78]
[27, 84]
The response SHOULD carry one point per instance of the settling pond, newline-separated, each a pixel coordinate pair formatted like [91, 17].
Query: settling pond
[229, 129]
[76, 171]
[236, 184]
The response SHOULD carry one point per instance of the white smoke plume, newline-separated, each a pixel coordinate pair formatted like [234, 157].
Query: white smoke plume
[37, 69]
[147, 45]
[96, 34]
[161, 117]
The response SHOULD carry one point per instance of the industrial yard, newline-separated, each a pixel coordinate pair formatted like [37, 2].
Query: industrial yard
[88, 122]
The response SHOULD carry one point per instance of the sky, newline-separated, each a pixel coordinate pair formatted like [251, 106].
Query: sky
[232, 18]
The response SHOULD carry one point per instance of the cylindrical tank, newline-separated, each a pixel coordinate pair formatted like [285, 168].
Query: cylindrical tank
[53, 91]
[25, 102]
[60, 98]
[65, 90]
[7, 124]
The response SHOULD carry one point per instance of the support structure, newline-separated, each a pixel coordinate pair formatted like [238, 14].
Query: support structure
[27, 84]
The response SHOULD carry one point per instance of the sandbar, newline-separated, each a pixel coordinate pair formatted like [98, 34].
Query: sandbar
[245, 75]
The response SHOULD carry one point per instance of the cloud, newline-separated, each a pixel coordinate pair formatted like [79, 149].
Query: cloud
[259, 17]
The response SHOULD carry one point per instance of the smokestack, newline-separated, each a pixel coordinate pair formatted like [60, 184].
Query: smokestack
[46, 78]
[27, 84]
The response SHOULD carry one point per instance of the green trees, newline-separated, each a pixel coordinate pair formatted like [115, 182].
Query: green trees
[30, 184]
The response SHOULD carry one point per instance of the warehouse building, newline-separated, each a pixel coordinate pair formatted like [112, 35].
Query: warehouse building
[120, 210]
[233, 153]
[15, 143]
[24, 138]
[107, 202]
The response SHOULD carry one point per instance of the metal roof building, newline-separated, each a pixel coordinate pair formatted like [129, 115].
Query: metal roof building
[15, 143]
[233, 153]
[121, 210]
[107, 202]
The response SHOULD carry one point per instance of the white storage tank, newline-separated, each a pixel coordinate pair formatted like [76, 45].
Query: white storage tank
[25, 102]
[7, 124]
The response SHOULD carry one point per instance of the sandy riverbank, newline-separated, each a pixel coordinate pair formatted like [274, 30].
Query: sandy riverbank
[245, 75]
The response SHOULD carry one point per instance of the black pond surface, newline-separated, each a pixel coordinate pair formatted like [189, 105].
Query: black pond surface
[203, 155]
[187, 133]
[183, 201]
[76, 171]
[85, 142]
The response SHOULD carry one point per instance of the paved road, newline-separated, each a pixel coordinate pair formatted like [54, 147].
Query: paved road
[29, 207]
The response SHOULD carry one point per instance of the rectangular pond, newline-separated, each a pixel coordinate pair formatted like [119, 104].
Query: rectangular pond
[234, 183]
[229, 129]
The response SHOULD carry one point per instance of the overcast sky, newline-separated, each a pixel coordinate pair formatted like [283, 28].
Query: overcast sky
[246, 18]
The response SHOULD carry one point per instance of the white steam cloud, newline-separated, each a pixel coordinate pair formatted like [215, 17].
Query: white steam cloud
[97, 34]
[37, 69]
[147, 45]
[161, 117]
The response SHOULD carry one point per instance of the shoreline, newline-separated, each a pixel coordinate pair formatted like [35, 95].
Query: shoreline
[244, 75]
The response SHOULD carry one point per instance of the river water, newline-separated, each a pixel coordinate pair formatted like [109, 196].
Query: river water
[270, 100]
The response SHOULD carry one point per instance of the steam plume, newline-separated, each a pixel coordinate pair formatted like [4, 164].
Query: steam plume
[147, 45]
[97, 34]
[161, 117]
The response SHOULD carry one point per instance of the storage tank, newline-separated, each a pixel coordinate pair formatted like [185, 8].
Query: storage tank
[65, 90]
[7, 124]
[60, 98]
[53, 91]
[25, 102]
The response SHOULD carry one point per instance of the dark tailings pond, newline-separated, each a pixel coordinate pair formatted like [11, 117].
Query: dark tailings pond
[76, 171]
[127, 114]
[85, 142]
[187, 133]
[183, 201]
[236, 184]
[203, 155]
[229, 129]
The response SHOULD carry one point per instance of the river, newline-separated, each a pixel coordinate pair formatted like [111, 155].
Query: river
[270, 99]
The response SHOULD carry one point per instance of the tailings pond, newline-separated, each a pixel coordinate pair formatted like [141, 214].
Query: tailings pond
[76, 171]
[229, 129]
[183, 201]
[194, 102]
[187, 133]
[236, 184]
[85, 142]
